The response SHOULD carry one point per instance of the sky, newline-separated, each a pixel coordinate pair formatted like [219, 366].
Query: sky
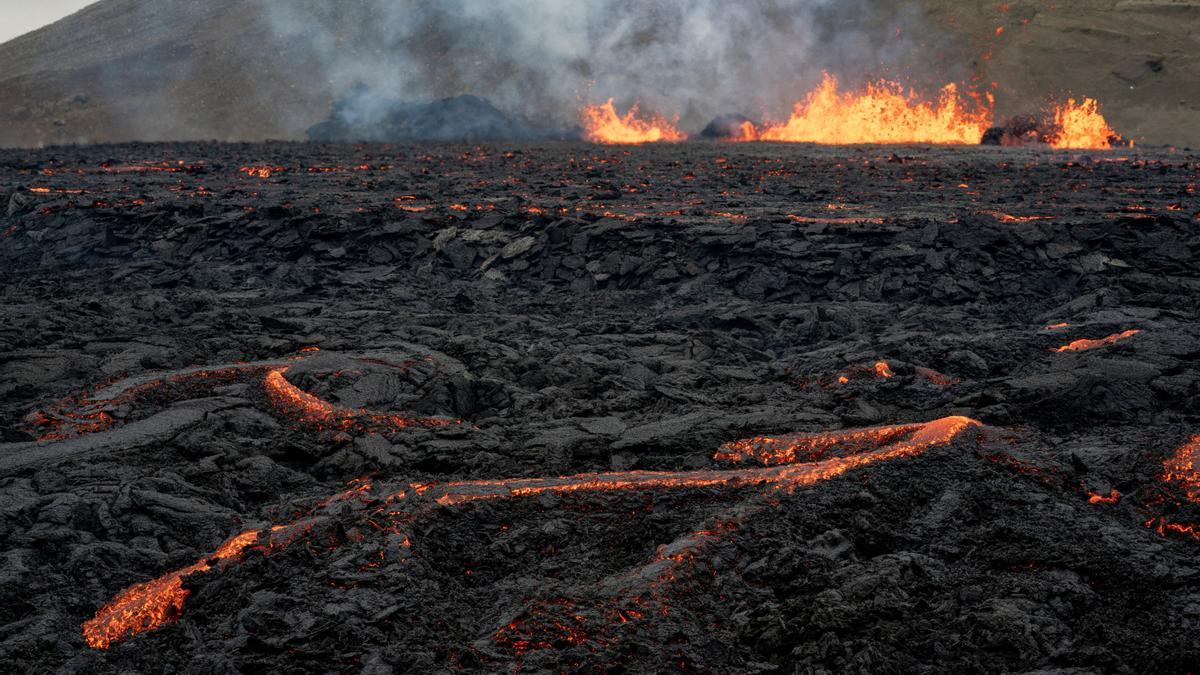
[18, 17]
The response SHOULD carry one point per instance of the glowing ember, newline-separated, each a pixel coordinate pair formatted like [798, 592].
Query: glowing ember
[881, 113]
[1083, 345]
[1180, 468]
[1057, 326]
[1111, 498]
[602, 124]
[261, 171]
[146, 606]
[883, 370]
[1081, 126]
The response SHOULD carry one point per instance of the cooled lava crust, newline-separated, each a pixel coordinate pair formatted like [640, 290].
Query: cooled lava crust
[412, 408]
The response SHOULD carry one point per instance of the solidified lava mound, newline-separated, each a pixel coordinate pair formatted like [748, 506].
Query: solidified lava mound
[706, 407]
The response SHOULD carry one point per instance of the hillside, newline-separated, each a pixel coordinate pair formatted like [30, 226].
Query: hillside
[233, 70]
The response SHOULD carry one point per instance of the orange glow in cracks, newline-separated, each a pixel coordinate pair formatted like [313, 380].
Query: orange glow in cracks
[1180, 468]
[883, 370]
[602, 124]
[882, 112]
[146, 606]
[1084, 345]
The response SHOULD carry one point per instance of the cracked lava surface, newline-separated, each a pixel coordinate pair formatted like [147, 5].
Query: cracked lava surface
[715, 407]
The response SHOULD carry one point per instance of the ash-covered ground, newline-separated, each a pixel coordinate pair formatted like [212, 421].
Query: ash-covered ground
[345, 349]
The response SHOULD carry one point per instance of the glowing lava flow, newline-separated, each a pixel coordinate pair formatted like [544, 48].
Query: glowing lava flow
[1084, 345]
[148, 605]
[880, 113]
[292, 401]
[602, 124]
[92, 412]
[1080, 126]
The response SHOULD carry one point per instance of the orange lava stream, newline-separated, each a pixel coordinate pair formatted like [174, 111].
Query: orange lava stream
[924, 436]
[296, 403]
[602, 124]
[1083, 345]
[1082, 127]
[146, 606]
[880, 113]
[792, 448]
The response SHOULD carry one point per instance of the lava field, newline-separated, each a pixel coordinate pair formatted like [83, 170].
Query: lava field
[697, 407]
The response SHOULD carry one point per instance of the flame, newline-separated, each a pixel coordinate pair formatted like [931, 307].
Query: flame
[602, 124]
[1081, 126]
[923, 437]
[1083, 345]
[880, 113]
[146, 606]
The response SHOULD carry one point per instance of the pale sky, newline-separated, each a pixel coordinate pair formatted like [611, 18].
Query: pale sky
[18, 17]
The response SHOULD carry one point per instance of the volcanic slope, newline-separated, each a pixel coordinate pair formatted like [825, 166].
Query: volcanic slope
[171, 70]
[549, 407]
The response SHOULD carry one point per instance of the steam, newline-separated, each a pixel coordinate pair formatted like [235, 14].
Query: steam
[541, 59]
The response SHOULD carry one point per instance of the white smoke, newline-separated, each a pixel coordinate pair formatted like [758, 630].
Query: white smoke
[543, 58]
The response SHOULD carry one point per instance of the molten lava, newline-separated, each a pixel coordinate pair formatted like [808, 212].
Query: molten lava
[1080, 126]
[602, 124]
[294, 402]
[881, 113]
[1084, 345]
[1180, 468]
[146, 606]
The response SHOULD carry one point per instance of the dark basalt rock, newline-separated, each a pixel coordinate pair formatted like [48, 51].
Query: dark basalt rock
[589, 309]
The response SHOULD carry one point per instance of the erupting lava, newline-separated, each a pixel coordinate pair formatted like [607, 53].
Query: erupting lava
[1084, 345]
[881, 113]
[151, 604]
[602, 124]
[1080, 126]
